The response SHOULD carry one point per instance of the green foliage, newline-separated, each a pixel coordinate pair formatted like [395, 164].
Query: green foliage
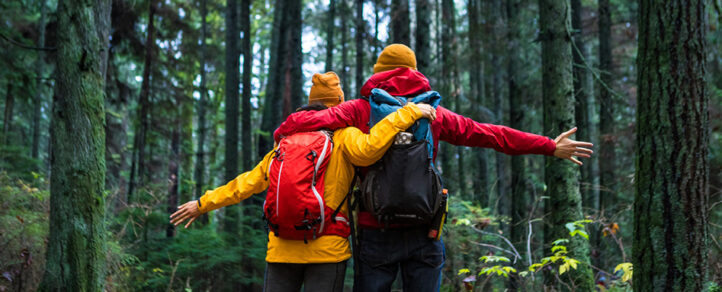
[24, 227]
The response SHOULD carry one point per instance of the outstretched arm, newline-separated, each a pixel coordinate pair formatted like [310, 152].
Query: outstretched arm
[343, 115]
[235, 191]
[459, 130]
[365, 149]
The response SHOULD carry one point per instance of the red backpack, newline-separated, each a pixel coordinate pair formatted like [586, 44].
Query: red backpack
[295, 207]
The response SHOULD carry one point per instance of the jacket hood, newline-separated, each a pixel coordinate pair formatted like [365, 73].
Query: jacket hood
[397, 82]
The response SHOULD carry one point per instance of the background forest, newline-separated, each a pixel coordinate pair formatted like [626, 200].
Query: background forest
[193, 90]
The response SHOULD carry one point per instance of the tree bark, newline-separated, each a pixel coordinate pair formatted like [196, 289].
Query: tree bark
[400, 22]
[561, 177]
[672, 166]
[75, 258]
[39, 68]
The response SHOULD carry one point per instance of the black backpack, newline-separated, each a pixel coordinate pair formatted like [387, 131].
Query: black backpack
[403, 187]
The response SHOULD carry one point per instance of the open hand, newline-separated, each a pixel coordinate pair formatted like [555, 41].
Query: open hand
[427, 111]
[568, 148]
[188, 211]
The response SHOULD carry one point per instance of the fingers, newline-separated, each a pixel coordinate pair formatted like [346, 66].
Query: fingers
[179, 220]
[575, 161]
[191, 221]
[577, 154]
[583, 150]
[582, 144]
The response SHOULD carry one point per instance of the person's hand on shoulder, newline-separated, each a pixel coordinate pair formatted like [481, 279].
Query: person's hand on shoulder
[427, 111]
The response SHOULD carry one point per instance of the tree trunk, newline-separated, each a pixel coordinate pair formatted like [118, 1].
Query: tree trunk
[606, 112]
[423, 35]
[448, 69]
[283, 91]
[75, 258]
[476, 82]
[344, 50]
[581, 96]
[561, 177]
[672, 166]
[173, 164]
[8, 118]
[247, 73]
[581, 116]
[231, 220]
[232, 99]
[201, 132]
[520, 197]
[360, 34]
[376, 29]
[138, 165]
[502, 160]
[39, 68]
[330, 25]
[116, 131]
[400, 22]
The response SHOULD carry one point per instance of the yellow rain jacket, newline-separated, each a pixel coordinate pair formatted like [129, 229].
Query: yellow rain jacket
[351, 147]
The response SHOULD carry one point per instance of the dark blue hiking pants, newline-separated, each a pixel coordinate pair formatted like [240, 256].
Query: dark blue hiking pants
[383, 252]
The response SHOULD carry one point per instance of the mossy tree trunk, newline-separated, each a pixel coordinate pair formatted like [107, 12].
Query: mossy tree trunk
[672, 167]
[561, 176]
[75, 258]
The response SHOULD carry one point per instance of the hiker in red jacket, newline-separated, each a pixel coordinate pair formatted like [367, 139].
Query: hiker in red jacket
[384, 251]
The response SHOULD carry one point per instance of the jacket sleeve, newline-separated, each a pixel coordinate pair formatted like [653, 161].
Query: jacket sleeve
[365, 149]
[239, 189]
[463, 131]
[340, 116]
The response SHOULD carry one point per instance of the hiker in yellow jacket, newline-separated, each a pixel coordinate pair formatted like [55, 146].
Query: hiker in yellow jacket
[320, 264]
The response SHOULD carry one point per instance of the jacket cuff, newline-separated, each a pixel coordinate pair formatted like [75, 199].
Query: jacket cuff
[201, 205]
[550, 147]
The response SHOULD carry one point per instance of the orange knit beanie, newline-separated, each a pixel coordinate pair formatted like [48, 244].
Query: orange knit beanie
[326, 89]
[395, 56]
